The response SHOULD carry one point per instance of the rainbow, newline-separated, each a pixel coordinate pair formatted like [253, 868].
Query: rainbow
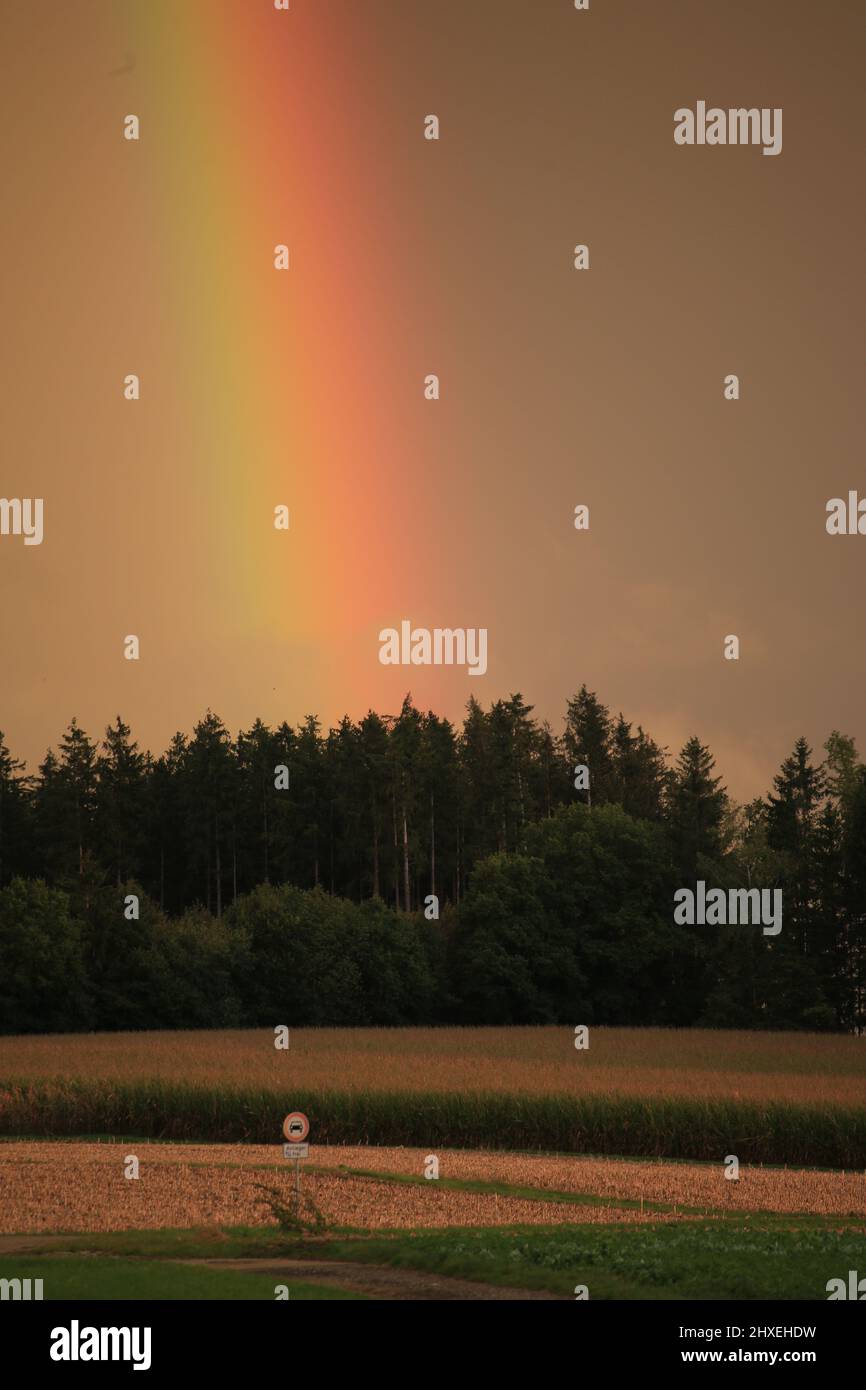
[259, 129]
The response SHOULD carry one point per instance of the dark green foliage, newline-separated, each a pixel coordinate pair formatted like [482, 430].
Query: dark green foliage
[16, 832]
[579, 929]
[696, 811]
[327, 961]
[543, 902]
[42, 967]
[734, 1259]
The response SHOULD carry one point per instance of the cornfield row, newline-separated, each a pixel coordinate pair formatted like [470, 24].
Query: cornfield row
[827, 1136]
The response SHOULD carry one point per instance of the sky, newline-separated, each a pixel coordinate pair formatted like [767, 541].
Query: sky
[407, 256]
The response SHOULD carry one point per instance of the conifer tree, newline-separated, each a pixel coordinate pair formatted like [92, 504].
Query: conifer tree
[587, 740]
[698, 802]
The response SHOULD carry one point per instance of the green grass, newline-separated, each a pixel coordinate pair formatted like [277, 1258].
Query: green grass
[110, 1278]
[701, 1260]
[670, 1127]
[698, 1261]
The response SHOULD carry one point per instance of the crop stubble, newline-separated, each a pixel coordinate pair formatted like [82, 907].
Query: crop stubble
[81, 1187]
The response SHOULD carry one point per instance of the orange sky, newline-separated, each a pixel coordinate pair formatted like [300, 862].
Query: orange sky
[409, 257]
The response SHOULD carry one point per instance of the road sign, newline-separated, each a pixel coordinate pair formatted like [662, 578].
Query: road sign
[296, 1127]
[296, 1151]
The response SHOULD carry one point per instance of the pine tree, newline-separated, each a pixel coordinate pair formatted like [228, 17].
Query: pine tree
[404, 748]
[14, 816]
[120, 791]
[800, 788]
[209, 781]
[439, 800]
[373, 753]
[829, 943]
[257, 757]
[166, 870]
[697, 807]
[480, 832]
[587, 739]
[854, 908]
[792, 815]
[842, 768]
[65, 806]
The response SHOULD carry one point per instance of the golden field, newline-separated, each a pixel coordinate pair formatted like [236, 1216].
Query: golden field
[82, 1187]
[783, 1067]
[65, 1187]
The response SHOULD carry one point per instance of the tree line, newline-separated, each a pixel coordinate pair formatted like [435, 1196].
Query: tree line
[406, 870]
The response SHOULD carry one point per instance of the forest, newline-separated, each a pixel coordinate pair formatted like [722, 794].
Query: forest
[405, 870]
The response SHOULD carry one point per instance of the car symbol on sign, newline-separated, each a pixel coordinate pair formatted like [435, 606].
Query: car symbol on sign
[296, 1126]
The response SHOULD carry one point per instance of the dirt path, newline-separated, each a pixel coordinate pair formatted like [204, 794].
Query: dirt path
[378, 1281]
[20, 1245]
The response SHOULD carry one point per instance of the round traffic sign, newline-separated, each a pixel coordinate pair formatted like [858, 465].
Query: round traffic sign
[296, 1127]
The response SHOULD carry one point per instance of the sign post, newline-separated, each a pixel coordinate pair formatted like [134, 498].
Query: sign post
[296, 1127]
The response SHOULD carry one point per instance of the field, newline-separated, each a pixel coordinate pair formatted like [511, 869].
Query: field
[806, 1068]
[77, 1186]
[768, 1098]
[557, 1168]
